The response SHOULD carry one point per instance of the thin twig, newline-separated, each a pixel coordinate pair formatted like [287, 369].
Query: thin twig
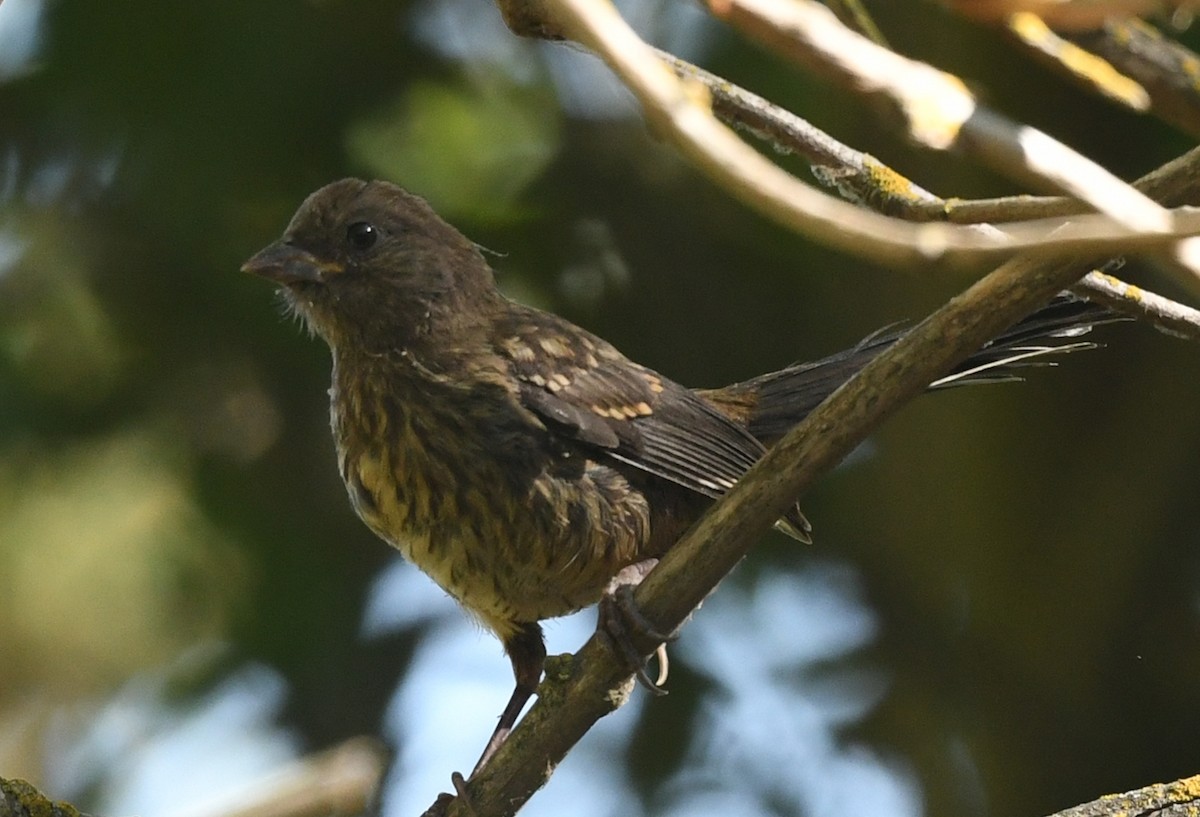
[852, 13]
[859, 177]
[1169, 71]
[1084, 67]
[1166, 315]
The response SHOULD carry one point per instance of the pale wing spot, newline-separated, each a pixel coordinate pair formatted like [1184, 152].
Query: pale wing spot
[554, 347]
[643, 409]
[518, 349]
[561, 379]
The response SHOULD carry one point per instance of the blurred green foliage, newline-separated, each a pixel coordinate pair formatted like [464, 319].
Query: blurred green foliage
[440, 133]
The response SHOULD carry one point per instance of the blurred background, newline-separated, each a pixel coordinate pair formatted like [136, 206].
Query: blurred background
[1000, 615]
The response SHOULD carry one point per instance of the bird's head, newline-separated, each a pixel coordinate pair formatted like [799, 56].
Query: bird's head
[370, 264]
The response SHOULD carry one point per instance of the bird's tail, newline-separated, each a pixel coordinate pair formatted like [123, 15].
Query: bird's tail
[771, 404]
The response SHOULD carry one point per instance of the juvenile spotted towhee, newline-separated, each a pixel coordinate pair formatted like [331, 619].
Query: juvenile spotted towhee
[516, 458]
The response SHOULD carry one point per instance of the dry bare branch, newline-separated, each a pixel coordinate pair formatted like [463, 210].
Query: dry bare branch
[1086, 68]
[1168, 316]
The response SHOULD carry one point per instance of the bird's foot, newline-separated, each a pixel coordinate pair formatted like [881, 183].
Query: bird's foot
[621, 619]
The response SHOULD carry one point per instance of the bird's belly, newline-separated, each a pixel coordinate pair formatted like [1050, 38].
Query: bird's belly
[396, 516]
[549, 553]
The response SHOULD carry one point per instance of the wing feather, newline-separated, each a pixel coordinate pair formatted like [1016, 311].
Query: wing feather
[586, 391]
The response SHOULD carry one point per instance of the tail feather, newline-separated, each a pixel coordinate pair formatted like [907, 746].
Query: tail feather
[772, 403]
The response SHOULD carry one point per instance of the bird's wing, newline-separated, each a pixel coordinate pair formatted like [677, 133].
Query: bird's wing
[583, 389]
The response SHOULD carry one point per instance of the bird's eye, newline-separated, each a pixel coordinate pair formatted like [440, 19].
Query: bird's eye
[361, 235]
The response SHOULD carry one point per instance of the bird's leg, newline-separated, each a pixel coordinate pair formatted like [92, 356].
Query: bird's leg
[620, 618]
[527, 651]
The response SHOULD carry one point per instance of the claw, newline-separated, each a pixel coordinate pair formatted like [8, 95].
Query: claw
[664, 665]
[620, 617]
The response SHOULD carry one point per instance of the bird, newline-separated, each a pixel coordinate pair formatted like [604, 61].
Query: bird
[517, 459]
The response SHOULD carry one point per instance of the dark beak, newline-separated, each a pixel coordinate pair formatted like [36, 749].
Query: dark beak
[288, 264]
